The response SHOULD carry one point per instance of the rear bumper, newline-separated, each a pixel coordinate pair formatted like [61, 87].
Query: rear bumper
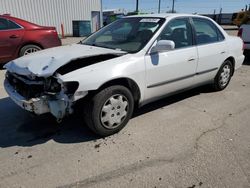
[239, 61]
[51, 41]
[35, 105]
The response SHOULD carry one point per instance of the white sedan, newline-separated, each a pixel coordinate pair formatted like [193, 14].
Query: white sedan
[129, 63]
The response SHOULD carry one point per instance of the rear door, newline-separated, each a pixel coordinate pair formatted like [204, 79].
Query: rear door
[212, 49]
[11, 35]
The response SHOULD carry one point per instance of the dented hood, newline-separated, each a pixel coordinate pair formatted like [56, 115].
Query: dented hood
[44, 63]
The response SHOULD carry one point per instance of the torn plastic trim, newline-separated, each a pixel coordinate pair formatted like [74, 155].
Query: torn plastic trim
[52, 86]
[35, 105]
[59, 105]
[60, 108]
[62, 104]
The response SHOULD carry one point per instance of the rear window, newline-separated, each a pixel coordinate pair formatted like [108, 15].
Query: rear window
[7, 24]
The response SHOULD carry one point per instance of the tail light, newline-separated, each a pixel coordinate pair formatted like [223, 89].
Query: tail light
[53, 31]
[243, 45]
[240, 32]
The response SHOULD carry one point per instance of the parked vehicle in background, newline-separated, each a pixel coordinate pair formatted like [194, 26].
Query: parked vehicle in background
[242, 17]
[244, 33]
[130, 62]
[19, 37]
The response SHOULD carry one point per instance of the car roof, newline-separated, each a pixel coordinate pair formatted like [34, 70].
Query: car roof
[168, 15]
[23, 23]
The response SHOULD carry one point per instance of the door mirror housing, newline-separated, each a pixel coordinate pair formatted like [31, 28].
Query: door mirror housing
[163, 46]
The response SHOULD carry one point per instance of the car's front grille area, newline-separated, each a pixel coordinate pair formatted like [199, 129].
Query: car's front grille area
[25, 87]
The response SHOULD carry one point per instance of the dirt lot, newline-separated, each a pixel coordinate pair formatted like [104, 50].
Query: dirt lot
[195, 139]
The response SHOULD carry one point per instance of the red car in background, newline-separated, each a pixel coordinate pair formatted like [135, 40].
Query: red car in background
[19, 37]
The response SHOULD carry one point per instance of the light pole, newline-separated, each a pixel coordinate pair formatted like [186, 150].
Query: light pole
[101, 15]
[159, 7]
[137, 6]
[173, 6]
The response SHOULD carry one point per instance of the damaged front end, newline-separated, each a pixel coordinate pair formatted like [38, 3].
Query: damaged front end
[37, 82]
[42, 95]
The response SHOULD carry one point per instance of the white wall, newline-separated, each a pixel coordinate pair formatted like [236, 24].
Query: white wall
[51, 12]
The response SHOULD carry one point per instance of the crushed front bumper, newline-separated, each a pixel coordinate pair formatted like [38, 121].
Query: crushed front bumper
[35, 105]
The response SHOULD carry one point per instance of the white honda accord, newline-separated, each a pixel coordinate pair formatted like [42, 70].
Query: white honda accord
[131, 62]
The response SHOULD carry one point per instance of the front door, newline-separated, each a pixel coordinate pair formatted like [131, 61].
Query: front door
[170, 71]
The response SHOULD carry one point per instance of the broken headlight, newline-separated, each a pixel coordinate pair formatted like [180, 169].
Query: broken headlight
[52, 86]
[70, 87]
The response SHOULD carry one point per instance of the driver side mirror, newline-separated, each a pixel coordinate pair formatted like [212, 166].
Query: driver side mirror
[163, 46]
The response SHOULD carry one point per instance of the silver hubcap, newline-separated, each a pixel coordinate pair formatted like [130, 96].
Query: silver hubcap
[114, 111]
[30, 50]
[225, 75]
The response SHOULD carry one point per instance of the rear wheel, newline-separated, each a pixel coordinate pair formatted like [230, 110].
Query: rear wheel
[223, 77]
[247, 53]
[28, 49]
[109, 110]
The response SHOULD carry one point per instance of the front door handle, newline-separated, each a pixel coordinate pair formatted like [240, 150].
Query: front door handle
[191, 59]
[14, 36]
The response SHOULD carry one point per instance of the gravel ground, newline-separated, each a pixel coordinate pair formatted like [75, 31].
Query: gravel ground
[195, 139]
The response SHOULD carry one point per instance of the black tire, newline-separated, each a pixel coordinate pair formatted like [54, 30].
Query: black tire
[31, 47]
[218, 86]
[247, 53]
[93, 109]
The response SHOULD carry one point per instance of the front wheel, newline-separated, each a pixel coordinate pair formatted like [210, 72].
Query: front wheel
[109, 110]
[223, 76]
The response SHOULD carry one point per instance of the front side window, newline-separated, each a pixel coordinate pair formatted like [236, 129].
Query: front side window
[127, 34]
[7, 24]
[179, 31]
[206, 31]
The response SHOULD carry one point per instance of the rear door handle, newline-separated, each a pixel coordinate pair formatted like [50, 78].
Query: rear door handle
[14, 36]
[223, 52]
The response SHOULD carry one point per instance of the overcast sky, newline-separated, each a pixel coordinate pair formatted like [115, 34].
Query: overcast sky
[181, 6]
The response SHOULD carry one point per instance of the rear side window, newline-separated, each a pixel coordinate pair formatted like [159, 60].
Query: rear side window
[206, 31]
[7, 24]
[3, 24]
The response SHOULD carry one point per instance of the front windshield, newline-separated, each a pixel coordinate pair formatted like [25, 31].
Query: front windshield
[126, 34]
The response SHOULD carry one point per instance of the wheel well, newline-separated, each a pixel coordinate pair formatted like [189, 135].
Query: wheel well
[126, 82]
[232, 60]
[29, 43]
